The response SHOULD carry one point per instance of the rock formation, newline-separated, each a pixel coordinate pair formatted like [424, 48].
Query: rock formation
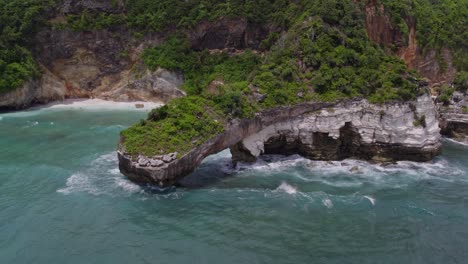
[325, 131]
[454, 117]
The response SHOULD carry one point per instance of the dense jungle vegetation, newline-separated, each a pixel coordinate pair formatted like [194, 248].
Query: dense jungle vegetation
[19, 19]
[319, 51]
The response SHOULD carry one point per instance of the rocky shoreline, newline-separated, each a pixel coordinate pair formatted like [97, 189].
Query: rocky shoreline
[323, 131]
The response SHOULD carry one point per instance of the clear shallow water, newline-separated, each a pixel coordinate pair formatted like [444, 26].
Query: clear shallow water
[63, 200]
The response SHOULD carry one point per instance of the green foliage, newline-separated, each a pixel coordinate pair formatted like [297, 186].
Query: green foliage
[328, 52]
[461, 81]
[158, 113]
[446, 94]
[439, 24]
[201, 69]
[324, 55]
[421, 121]
[150, 15]
[174, 54]
[88, 21]
[19, 20]
[187, 123]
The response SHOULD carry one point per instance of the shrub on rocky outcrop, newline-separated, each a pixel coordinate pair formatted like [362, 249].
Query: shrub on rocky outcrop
[461, 81]
[189, 122]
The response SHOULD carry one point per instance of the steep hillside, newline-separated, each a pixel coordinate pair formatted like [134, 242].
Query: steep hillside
[429, 37]
[61, 48]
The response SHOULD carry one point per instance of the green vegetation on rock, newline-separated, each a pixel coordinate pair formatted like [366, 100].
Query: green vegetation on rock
[324, 54]
[461, 81]
[181, 125]
[150, 15]
[89, 21]
[317, 50]
[439, 24]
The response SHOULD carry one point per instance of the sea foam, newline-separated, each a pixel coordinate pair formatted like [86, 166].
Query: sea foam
[102, 176]
[285, 187]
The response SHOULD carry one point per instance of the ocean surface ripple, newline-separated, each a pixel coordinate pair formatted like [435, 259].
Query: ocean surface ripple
[63, 200]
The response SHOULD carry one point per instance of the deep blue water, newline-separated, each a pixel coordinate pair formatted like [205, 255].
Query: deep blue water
[63, 200]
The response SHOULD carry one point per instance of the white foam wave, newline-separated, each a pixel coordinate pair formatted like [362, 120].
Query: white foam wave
[353, 173]
[101, 177]
[371, 200]
[328, 203]
[114, 171]
[31, 124]
[272, 162]
[79, 182]
[457, 142]
[127, 186]
[285, 187]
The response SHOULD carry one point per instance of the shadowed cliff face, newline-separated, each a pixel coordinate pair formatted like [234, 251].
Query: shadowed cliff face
[381, 31]
[323, 131]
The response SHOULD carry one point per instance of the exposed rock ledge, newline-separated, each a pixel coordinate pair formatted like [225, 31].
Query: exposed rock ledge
[454, 118]
[326, 131]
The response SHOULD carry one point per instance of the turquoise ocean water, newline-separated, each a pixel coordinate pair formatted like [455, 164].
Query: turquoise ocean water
[63, 200]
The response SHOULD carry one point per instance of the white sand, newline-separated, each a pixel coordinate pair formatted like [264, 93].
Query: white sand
[98, 104]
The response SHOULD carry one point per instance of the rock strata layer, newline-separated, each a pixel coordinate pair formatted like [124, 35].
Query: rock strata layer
[454, 117]
[324, 131]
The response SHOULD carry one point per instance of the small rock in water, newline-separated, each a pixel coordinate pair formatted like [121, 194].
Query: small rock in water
[139, 106]
[344, 164]
[144, 162]
[156, 163]
[386, 164]
[354, 169]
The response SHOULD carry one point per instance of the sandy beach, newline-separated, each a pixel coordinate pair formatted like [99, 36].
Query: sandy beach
[95, 104]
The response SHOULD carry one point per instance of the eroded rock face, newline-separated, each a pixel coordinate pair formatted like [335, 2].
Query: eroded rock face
[353, 130]
[46, 89]
[325, 131]
[454, 117]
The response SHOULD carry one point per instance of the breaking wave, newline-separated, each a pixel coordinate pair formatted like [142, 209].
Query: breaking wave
[452, 141]
[352, 173]
[101, 177]
[285, 187]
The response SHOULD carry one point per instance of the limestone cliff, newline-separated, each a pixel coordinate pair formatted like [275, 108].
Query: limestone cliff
[454, 117]
[325, 131]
